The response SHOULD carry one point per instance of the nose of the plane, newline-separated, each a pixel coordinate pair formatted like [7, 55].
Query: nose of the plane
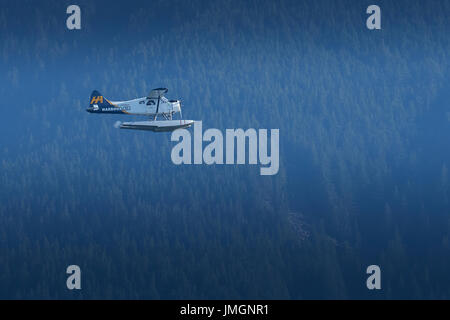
[89, 109]
[177, 106]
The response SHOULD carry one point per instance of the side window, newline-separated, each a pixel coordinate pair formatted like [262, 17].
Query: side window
[142, 102]
[150, 102]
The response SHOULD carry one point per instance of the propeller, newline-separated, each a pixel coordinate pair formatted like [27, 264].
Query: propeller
[117, 124]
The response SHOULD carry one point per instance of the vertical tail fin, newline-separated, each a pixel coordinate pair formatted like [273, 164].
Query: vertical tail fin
[98, 99]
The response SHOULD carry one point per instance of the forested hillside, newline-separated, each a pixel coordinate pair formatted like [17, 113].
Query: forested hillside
[364, 158]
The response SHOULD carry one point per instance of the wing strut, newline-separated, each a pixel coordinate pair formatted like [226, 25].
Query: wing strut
[157, 107]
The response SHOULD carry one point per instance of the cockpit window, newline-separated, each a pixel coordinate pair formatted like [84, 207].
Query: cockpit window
[150, 102]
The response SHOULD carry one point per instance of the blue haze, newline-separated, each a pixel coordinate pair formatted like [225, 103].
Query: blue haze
[363, 118]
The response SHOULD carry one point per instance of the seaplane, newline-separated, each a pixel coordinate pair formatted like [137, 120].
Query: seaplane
[152, 106]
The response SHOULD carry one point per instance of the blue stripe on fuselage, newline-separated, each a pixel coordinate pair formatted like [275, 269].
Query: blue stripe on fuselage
[104, 110]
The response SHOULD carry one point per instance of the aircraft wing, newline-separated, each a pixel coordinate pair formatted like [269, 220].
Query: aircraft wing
[157, 93]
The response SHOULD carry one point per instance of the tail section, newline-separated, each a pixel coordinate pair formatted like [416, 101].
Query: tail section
[97, 100]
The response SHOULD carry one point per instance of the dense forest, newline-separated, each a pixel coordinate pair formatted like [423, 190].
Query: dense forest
[364, 158]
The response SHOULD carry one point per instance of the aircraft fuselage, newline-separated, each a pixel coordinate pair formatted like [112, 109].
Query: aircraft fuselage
[141, 106]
